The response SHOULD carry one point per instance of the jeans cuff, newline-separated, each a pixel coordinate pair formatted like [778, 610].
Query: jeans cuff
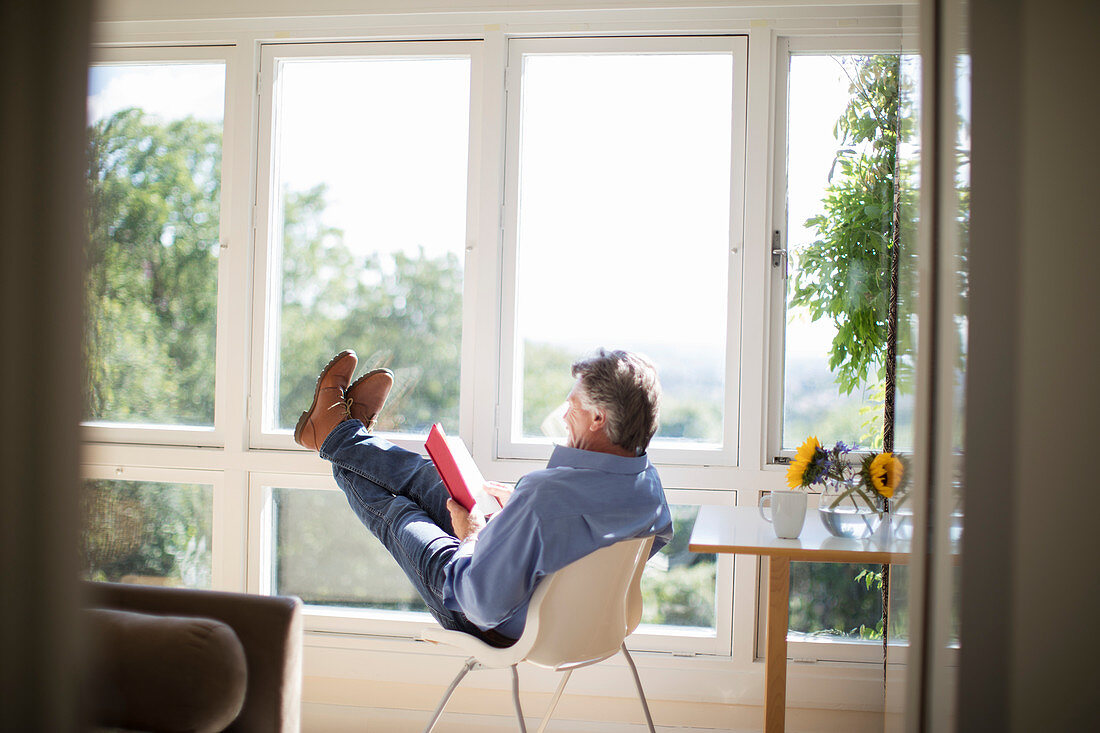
[337, 435]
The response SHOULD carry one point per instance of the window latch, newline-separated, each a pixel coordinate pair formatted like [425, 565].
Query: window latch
[779, 255]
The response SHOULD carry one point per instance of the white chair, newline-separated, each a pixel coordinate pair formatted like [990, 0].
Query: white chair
[578, 616]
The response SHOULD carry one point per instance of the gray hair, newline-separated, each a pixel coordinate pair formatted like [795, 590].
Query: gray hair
[624, 386]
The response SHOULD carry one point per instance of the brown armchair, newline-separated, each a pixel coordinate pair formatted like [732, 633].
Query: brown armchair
[173, 659]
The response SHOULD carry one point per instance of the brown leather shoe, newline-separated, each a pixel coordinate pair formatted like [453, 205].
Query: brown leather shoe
[368, 395]
[329, 407]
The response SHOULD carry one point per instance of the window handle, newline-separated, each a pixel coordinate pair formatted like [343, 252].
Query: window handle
[779, 255]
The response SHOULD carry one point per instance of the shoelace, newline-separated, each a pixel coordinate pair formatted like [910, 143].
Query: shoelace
[347, 403]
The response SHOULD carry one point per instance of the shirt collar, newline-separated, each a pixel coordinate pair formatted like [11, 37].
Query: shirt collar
[565, 457]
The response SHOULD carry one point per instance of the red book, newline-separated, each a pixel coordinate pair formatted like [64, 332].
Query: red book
[460, 474]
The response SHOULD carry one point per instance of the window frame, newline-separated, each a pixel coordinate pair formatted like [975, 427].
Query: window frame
[365, 622]
[786, 47]
[654, 637]
[222, 553]
[800, 646]
[265, 324]
[97, 431]
[508, 443]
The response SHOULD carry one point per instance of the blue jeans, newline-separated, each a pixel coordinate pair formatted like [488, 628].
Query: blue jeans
[400, 498]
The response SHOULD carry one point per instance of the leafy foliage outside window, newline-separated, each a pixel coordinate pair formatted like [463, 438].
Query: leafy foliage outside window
[146, 532]
[151, 283]
[844, 274]
[400, 311]
[678, 585]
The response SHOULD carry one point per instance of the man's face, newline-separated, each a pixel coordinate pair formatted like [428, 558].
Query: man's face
[578, 421]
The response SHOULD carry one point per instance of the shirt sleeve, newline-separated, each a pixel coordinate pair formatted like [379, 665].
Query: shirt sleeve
[490, 579]
[662, 538]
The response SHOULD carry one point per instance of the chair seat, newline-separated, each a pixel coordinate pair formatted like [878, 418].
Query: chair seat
[488, 656]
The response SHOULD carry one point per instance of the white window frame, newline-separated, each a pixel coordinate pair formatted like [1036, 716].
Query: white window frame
[267, 272]
[655, 637]
[365, 621]
[785, 49]
[93, 431]
[509, 444]
[801, 647]
[223, 550]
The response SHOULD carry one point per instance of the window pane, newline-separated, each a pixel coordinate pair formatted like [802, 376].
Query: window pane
[845, 600]
[678, 586]
[623, 227]
[154, 179]
[371, 166]
[827, 600]
[325, 556]
[840, 203]
[146, 532]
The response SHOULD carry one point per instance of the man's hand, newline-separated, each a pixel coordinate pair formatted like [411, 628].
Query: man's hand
[500, 492]
[466, 524]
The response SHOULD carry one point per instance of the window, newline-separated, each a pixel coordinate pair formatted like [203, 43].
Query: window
[147, 532]
[678, 586]
[842, 113]
[154, 178]
[841, 124]
[623, 214]
[155, 128]
[321, 553]
[366, 230]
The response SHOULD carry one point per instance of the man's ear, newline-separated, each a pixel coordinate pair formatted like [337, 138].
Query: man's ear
[599, 420]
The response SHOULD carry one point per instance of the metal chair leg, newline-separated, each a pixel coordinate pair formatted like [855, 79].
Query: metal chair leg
[554, 700]
[515, 699]
[470, 664]
[641, 693]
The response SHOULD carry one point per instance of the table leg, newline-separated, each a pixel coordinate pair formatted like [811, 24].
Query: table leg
[775, 655]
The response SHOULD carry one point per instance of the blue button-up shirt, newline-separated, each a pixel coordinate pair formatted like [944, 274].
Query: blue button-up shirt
[580, 502]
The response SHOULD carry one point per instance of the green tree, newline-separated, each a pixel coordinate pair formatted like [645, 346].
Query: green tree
[681, 594]
[401, 310]
[151, 284]
[844, 274]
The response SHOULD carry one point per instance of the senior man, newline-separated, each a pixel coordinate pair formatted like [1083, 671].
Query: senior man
[478, 576]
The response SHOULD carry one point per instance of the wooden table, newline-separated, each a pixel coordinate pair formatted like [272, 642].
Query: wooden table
[741, 530]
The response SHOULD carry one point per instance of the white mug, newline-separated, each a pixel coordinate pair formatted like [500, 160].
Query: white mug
[788, 510]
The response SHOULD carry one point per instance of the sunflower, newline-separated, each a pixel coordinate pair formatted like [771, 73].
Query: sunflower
[885, 473]
[799, 474]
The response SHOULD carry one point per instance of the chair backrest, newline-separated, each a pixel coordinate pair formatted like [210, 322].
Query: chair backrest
[581, 614]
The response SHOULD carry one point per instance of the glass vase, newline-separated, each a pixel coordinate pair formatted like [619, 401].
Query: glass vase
[847, 511]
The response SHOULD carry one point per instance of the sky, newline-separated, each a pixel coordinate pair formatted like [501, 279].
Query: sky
[623, 157]
[170, 91]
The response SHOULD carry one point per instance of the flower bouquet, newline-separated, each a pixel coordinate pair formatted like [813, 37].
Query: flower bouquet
[855, 493]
